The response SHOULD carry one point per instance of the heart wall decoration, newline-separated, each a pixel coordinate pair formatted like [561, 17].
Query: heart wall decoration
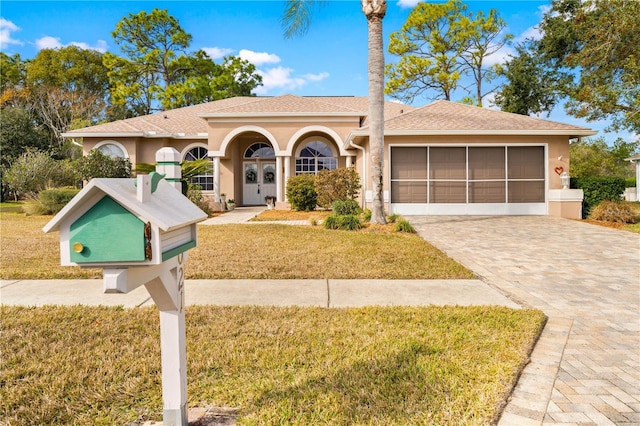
[559, 170]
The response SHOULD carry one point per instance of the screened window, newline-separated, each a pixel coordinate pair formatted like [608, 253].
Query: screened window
[488, 174]
[205, 180]
[314, 157]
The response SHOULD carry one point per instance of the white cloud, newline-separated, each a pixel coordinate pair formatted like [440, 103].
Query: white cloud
[6, 28]
[499, 57]
[316, 77]
[279, 78]
[48, 42]
[534, 33]
[259, 58]
[406, 4]
[217, 52]
[101, 45]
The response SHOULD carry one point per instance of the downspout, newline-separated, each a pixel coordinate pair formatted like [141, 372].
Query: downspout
[364, 171]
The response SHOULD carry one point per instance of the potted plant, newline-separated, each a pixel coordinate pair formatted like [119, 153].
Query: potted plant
[231, 204]
[271, 201]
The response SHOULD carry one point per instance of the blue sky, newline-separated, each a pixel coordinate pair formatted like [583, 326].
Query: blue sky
[331, 59]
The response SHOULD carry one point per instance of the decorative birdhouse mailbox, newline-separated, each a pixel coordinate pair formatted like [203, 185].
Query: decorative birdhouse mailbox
[139, 232]
[126, 222]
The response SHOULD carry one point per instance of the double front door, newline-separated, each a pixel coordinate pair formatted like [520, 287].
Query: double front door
[259, 181]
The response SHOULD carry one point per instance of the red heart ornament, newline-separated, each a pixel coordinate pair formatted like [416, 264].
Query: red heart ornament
[559, 170]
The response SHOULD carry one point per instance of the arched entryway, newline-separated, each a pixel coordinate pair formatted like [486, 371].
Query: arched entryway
[259, 174]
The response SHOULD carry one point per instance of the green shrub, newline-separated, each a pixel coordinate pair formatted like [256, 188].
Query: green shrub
[338, 184]
[630, 182]
[301, 192]
[403, 225]
[53, 200]
[598, 189]
[96, 164]
[35, 171]
[194, 194]
[614, 211]
[366, 215]
[392, 218]
[344, 207]
[332, 222]
[348, 222]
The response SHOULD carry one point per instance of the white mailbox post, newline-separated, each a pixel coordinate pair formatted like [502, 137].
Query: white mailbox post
[139, 232]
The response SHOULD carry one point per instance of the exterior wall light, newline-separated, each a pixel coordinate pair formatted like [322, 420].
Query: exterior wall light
[565, 180]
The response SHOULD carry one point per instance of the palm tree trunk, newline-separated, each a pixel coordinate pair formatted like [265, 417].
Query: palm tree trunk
[375, 10]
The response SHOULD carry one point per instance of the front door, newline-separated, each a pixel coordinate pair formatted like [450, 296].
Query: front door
[259, 182]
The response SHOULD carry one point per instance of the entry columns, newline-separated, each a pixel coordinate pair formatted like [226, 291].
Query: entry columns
[287, 174]
[216, 178]
[279, 183]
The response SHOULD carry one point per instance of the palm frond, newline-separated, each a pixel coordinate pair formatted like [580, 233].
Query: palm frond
[296, 18]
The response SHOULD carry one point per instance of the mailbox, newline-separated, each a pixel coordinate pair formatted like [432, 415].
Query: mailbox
[139, 232]
[126, 222]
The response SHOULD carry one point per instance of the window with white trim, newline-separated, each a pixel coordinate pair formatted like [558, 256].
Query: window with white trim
[111, 150]
[314, 157]
[205, 181]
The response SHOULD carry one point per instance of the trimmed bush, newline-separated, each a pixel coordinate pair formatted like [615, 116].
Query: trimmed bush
[301, 192]
[53, 200]
[614, 211]
[403, 225]
[347, 222]
[344, 207]
[598, 189]
[338, 184]
[366, 215]
[393, 218]
[194, 194]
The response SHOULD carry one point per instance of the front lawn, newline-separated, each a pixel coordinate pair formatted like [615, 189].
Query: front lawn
[247, 251]
[375, 365]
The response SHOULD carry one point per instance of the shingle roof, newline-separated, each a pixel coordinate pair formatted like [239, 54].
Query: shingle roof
[437, 117]
[190, 121]
[444, 116]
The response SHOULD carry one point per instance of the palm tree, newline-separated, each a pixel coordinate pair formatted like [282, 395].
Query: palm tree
[296, 20]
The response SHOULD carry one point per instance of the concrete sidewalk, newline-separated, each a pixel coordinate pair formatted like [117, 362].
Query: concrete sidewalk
[319, 292]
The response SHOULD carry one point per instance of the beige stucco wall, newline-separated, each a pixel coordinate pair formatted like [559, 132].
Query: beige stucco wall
[142, 150]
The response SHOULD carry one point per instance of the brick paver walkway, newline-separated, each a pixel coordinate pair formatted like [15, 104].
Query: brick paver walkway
[585, 369]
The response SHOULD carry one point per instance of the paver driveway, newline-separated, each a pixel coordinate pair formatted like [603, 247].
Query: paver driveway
[585, 369]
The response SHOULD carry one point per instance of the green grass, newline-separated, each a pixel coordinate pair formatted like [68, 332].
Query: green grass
[376, 366]
[247, 251]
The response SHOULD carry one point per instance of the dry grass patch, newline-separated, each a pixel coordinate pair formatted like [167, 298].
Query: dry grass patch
[276, 215]
[273, 251]
[377, 366]
[247, 251]
[26, 252]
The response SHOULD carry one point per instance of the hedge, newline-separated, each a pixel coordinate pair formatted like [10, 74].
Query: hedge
[597, 189]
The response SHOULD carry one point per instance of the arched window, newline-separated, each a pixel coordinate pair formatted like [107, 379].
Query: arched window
[205, 181]
[314, 157]
[260, 150]
[112, 149]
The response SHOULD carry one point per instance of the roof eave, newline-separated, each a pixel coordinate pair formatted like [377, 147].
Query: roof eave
[133, 135]
[280, 114]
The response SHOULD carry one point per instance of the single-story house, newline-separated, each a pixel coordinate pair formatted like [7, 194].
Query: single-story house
[443, 158]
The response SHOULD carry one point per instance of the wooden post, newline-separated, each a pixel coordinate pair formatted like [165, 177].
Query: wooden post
[167, 291]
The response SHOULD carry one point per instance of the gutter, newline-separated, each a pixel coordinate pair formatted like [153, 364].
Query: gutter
[364, 170]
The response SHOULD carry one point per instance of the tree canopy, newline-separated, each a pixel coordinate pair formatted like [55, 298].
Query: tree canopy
[439, 44]
[591, 51]
[157, 71]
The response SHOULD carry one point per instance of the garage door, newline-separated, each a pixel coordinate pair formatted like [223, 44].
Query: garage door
[468, 180]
